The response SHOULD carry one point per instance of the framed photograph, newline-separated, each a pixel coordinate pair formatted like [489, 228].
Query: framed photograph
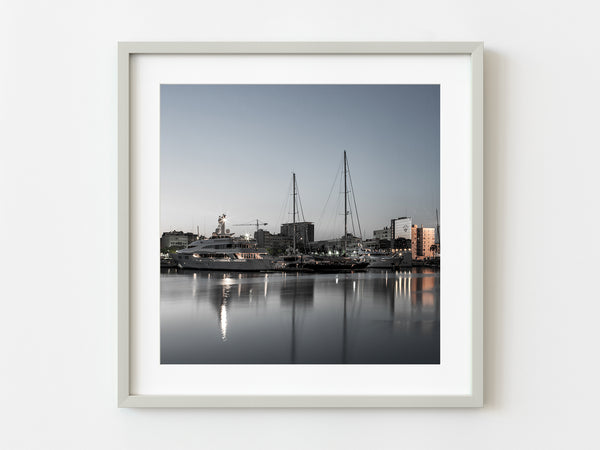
[281, 214]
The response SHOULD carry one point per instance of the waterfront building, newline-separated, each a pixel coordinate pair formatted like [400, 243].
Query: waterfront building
[264, 239]
[371, 244]
[176, 239]
[385, 233]
[353, 243]
[385, 244]
[401, 244]
[377, 244]
[305, 231]
[422, 240]
[401, 228]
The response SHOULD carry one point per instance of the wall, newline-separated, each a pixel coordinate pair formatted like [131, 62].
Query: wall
[58, 173]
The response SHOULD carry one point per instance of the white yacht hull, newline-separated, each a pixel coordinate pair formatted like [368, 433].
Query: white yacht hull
[226, 264]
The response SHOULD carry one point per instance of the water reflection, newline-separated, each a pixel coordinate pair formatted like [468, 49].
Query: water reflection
[297, 289]
[297, 294]
[222, 291]
[364, 318]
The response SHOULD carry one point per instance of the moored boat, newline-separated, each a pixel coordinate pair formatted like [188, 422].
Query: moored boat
[223, 251]
[294, 263]
[336, 264]
[167, 262]
[346, 262]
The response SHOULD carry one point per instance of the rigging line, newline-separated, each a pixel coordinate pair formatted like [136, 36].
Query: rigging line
[344, 192]
[300, 202]
[352, 220]
[336, 211]
[328, 198]
[330, 227]
[351, 211]
[285, 206]
[301, 209]
[351, 214]
[335, 218]
[327, 225]
[302, 213]
[284, 212]
[285, 203]
[323, 223]
[354, 199]
[338, 208]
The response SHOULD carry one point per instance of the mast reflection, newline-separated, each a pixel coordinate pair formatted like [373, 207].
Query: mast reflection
[296, 291]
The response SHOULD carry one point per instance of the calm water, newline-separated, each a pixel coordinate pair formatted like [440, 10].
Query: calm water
[374, 317]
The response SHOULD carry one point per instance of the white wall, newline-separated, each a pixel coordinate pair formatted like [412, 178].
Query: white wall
[58, 138]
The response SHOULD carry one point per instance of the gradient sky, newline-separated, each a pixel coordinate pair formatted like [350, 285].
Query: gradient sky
[232, 149]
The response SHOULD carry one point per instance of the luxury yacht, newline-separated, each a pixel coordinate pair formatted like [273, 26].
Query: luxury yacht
[223, 252]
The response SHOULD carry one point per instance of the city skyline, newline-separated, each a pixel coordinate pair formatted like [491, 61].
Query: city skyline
[232, 149]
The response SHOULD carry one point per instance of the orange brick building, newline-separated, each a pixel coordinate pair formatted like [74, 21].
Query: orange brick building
[421, 241]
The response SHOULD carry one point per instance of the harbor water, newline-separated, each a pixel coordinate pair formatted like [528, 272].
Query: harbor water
[373, 317]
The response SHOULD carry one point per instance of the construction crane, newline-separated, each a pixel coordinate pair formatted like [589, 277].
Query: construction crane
[258, 223]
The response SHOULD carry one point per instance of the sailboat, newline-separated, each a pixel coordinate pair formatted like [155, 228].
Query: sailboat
[295, 262]
[339, 263]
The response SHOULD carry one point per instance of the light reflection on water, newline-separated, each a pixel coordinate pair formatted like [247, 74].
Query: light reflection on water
[374, 317]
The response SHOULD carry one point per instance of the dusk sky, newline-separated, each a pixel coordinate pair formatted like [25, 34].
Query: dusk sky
[232, 149]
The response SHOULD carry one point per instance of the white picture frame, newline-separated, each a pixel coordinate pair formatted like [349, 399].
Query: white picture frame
[472, 269]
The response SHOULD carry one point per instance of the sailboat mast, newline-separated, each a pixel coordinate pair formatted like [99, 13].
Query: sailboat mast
[294, 211]
[345, 205]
